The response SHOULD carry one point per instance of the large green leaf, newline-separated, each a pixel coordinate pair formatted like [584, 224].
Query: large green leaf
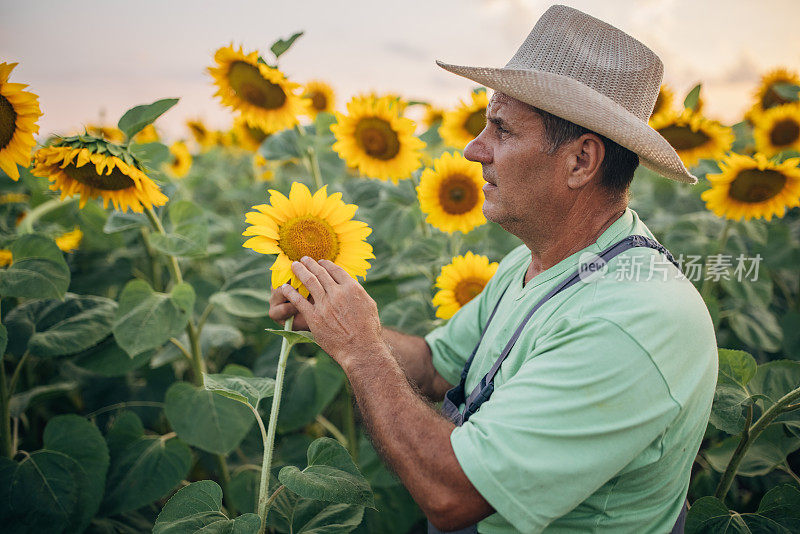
[790, 324]
[118, 221]
[778, 513]
[242, 302]
[56, 328]
[330, 476]
[772, 381]
[292, 513]
[757, 327]
[146, 319]
[732, 396]
[144, 471]
[198, 508]
[766, 453]
[300, 336]
[244, 488]
[44, 493]
[202, 419]
[136, 118]
[187, 230]
[81, 440]
[20, 401]
[215, 339]
[153, 155]
[247, 390]
[38, 269]
[281, 146]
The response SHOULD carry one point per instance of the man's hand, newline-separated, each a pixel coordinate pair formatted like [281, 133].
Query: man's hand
[343, 317]
[281, 309]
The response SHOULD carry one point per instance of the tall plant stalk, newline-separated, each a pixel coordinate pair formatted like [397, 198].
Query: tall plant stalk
[269, 437]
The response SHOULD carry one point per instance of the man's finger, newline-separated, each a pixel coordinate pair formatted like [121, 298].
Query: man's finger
[336, 272]
[319, 271]
[294, 296]
[282, 311]
[309, 280]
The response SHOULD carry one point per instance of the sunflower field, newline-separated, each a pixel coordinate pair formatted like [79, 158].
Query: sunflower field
[144, 388]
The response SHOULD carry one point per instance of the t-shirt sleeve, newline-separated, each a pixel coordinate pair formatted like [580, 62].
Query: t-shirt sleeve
[583, 406]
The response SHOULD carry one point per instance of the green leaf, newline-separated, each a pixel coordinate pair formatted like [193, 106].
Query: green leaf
[244, 488]
[757, 327]
[81, 440]
[790, 324]
[311, 385]
[282, 45]
[45, 493]
[242, 302]
[38, 269]
[292, 513]
[20, 402]
[125, 429]
[772, 381]
[778, 513]
[187, 231]
[281, 146]
[136, 118]
[693, 97]
[108, 359]
[330, 476]
[118, 221]
[767, 452]
[146, 319]
[3, 340]
[198, 508]
[736, 367]
[207, 421]
[58, 328]
[145, 471]
[153, 155]
[787, 91]
[247, 390]
[293, 338]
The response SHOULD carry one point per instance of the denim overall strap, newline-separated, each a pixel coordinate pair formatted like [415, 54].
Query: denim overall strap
[481, 393]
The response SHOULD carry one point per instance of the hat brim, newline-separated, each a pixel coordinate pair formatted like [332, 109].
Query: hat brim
[569, 99]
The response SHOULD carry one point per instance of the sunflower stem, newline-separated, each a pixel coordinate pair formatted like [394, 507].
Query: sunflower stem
[315, 171]
[225, 482]
[5, 410]
[708, 283]
[155, 268]
[269, 438]
[198, 365]
[26, 226]
[455, 243]
[350, 422]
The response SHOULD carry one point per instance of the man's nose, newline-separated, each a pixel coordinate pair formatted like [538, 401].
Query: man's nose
[477, 151]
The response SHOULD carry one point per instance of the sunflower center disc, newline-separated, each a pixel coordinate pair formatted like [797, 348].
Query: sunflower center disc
[458, 194]
[319, 101]
[8, 119]
[377, 138]
[476, 122]
[87, 175]
[308, 236]
[784, 132]
[467, 289]
[683, 138]
[251, 86]
[753, 185]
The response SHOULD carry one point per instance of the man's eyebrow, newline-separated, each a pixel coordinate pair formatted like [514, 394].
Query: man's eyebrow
[497, 121]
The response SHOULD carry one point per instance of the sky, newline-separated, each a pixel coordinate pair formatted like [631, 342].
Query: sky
[93, 59]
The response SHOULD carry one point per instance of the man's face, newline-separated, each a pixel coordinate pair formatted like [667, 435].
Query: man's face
[524, 183]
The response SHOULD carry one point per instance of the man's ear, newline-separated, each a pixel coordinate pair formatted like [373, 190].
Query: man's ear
[585, 157]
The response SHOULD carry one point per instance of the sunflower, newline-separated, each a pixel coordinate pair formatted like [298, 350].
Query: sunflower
[777, 129]
[318, 226]
[753, 187]
[181, 160]
[13, 198]
[320, 98]
[463, 124]
[664, 101]
[148, 134]
[263, 95]
[69, 241]
[263, 170]
[5, 257]
[202, 135]
[451, 194]
[19, 111]
[433, 116]
[765, 96]
[692, 136]
[93, 167]
[461, 281]
[109, 133]
[248, 137]
[376, 140]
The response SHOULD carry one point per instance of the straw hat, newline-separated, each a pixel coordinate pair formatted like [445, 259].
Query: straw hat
[588, 72]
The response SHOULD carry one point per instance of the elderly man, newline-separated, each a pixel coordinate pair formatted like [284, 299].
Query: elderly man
[582, 386]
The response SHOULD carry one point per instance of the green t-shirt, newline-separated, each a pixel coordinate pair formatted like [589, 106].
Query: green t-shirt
[600, 407]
